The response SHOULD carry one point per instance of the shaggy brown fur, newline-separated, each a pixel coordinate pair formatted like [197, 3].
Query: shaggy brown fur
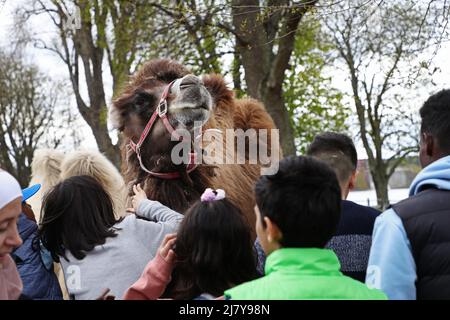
[228, 112]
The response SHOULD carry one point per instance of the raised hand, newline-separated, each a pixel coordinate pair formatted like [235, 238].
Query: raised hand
[166, 248]
[139, 196]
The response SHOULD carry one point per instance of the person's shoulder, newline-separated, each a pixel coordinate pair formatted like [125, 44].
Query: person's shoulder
[131, 226]
[248, 289]
[350, 206]
[356, 219]
[429, 200]
[134, 226]
[366, 293]
[362, 291]
[25, 226]
[126, 221]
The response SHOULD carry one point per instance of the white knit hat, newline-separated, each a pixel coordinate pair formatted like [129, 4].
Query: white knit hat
[9, 189]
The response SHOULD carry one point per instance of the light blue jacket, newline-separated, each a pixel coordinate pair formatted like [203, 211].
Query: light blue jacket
[391, 264]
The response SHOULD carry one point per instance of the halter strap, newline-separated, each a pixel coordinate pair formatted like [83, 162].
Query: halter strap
[161, 112]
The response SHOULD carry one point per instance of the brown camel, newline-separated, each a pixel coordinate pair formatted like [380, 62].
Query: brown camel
[188, 100]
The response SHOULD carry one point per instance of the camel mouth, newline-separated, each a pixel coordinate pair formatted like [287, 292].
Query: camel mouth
[190, 118]
[204, 106]
[194, 98]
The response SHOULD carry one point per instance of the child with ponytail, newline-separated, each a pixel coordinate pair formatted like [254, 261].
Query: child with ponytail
[212, 251]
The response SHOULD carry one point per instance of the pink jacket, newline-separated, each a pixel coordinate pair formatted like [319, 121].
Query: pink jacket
[10, 283]
[153, 281]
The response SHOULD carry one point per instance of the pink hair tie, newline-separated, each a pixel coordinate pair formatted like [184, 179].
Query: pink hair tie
[211, 195]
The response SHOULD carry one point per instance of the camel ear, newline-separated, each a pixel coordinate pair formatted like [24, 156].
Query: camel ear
[116, 113]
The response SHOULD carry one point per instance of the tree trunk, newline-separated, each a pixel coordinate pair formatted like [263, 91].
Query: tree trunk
[105, 145]
[381, 187]
[97, 121]
[23, 175]
[5, 161]
[257, 34]
[236, 73]
[251, 43]
[275, 99]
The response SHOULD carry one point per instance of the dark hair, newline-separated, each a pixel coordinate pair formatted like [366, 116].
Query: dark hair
[214, 251]
[435, 114]
[329, 142]
[78, 215]
[303, 199]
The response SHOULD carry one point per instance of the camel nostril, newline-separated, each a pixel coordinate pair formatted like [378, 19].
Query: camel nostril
[190, 80]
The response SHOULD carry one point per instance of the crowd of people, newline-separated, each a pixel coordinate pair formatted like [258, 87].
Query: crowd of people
[311, 243]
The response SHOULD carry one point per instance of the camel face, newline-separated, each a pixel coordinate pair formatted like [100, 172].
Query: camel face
[190, 104]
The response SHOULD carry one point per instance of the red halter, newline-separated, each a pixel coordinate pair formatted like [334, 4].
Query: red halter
[160, 112]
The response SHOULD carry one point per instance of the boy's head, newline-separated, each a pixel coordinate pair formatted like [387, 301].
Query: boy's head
[299, 206]
[338, 151]
[435, 129]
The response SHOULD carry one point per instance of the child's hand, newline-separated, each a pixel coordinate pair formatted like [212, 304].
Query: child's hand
[139, 196]
[106, 296]
[166, 248]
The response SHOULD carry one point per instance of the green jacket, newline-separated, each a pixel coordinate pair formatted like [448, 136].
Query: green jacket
[297, 273]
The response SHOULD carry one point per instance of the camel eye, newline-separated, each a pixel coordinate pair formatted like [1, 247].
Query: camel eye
[144, 102]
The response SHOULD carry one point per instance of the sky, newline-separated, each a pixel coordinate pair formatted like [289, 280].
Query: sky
[51, 64]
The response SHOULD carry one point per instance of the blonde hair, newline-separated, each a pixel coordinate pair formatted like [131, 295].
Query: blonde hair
[45, 170]
[93, 163]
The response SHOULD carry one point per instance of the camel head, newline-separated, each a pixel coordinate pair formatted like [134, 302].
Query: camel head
[188, 100]
[190, 104]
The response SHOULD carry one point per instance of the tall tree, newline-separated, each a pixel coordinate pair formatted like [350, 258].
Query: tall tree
[313, 103]
[260, 35]
[265, 36]
[91, 33]
[29, 108]
[197, 35]
[381, 45]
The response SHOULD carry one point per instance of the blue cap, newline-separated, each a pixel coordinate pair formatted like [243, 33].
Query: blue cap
[27, 193]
